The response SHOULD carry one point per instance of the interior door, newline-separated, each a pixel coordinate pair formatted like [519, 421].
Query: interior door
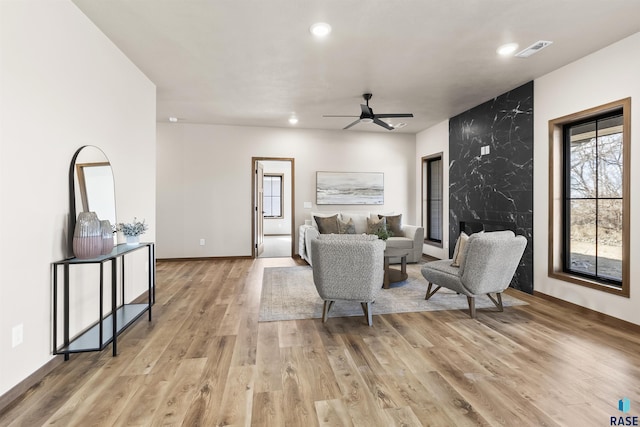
[259, 209]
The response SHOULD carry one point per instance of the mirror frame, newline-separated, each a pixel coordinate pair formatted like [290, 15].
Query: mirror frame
[73, 214]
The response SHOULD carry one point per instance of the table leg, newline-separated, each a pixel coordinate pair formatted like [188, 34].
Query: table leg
[386, 281]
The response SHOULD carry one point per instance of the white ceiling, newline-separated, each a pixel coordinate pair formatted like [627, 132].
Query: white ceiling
[254, 62]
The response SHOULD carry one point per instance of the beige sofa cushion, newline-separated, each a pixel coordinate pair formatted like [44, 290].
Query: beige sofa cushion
[400, 243]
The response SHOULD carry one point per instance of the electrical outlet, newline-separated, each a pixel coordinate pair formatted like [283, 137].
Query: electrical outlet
[201, 242]
[17, 335]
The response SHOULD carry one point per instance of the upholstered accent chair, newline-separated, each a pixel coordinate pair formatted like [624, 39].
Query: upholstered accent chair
[348, 267]
[487, 266]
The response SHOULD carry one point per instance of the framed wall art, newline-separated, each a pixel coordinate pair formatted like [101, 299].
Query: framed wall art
[349, 188]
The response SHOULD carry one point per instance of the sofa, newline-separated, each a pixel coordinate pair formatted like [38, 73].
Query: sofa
[404, 236]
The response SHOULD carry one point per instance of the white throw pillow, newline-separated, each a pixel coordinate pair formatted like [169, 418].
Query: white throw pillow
[458, 251]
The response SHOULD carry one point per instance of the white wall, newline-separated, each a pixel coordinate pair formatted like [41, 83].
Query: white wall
[282, 225]
[63, 85]
[607, 75]
[429, 142]
[204, 179]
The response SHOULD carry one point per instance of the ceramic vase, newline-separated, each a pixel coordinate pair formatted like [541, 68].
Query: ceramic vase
[87, 236]
[107, 237]
[133, 240]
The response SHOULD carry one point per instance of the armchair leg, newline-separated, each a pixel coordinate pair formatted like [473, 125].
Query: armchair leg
[366, 308]
[498, 302]
[325, 310]
[472, 307]
[429, 293]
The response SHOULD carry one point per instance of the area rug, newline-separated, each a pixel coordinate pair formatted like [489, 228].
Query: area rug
[288, 293]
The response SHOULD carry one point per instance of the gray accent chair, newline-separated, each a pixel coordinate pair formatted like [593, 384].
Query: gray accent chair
[490, 261]
[348, 267]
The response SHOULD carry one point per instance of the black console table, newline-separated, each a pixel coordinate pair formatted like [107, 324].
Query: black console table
[106, 330]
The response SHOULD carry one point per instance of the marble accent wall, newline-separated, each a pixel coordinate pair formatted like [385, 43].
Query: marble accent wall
[497, 186]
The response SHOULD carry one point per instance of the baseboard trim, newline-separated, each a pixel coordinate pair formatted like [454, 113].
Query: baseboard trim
[209, 258]
[592, 314]
[12, 396]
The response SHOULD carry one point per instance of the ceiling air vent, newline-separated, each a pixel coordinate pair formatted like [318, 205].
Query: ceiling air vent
[534, 48]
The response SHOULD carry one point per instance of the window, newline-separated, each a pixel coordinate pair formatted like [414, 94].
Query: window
[589, 205]
[432, 199]
[273, 196]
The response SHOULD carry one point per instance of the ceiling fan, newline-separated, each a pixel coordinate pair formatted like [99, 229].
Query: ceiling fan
[368, 116]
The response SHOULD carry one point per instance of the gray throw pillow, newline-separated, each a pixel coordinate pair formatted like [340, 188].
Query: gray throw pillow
[346, 227]
[394, 224]
[327, 225]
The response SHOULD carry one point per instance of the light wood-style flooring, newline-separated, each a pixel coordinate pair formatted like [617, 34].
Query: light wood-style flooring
[205, 360]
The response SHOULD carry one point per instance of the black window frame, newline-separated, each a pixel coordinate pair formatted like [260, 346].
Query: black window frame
[281, 197]
[428, 199]
[556, 189]
[567, 199]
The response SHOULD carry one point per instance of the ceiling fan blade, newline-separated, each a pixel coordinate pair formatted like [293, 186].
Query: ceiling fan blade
[366, 111]
[381, 123]
[394, 115]
[328, 115]
[351, 124]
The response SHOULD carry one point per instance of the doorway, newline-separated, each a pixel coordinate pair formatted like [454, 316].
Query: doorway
[273, 212]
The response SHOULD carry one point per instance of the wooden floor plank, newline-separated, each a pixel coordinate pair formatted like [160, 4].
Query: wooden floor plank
[268, 409]
[206, 360]
[181, 392]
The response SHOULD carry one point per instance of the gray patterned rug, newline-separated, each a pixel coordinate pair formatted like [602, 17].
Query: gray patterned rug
[288, 293]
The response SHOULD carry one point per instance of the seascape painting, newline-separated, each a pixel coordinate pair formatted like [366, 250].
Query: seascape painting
[349, 188]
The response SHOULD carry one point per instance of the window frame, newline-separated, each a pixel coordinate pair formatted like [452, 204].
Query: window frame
[281, 197]
[425, 194]
[557, 188]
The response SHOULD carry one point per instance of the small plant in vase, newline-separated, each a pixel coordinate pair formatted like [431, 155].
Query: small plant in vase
[383, 233]
[133, 230]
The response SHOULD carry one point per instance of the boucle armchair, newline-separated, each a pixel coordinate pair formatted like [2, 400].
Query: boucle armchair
[348, 267]
[487, 266]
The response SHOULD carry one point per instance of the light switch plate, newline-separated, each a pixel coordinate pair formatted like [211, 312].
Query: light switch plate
[17, 335]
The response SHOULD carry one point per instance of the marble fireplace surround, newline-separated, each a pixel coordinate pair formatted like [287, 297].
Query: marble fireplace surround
[495, 188]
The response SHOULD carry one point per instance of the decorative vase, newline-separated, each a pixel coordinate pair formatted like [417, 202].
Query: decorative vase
[87, 236]
[107, 236]
[133, 240]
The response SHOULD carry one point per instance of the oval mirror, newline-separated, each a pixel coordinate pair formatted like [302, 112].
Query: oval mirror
[91, 186]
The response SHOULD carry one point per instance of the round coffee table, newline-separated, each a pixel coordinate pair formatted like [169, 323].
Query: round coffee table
[392, 275]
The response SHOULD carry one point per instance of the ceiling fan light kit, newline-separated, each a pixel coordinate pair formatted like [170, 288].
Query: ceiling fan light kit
[368, 116]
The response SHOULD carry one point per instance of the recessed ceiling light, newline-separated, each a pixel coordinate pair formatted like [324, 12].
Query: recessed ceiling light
[173, 119]
[507, 49]
[320, 29]
[293, 120]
